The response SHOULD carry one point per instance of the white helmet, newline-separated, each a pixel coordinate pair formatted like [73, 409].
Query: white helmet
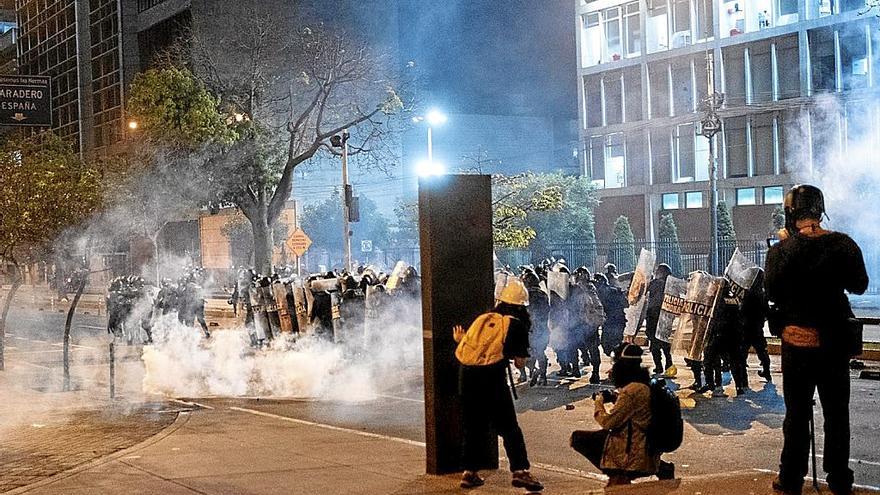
[514, 292]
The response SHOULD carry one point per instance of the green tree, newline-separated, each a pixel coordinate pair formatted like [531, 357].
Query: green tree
[669, 249]
[263, 99]
[573, 222]
[623, 250]
[45, 189]
[777, 219]
[726, 235]
[515, 200]
[241, 239]
[323, 223]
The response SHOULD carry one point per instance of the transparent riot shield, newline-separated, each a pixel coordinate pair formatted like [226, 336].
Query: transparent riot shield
[637, 294]
[673, 301]
[698, 310]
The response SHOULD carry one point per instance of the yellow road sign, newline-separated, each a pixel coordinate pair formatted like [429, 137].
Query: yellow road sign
[298, 242]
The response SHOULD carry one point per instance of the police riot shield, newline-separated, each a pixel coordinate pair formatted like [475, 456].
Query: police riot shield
[336, 313]
[262, 328]
[741, 273]
[285, 318]
[301, 308]
[697, 312]
[558, 282]
[673, 302]
[637, 294]
[271, 306]
[396, 274]
[500, 283]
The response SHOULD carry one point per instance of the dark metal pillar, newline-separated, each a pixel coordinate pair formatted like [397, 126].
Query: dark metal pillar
[455, 224]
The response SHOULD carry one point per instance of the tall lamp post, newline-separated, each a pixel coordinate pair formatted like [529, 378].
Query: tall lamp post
[341, 141]
[709, 127]
[433, 118]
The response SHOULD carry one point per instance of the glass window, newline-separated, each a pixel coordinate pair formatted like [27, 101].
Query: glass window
[682, 87]
[787, 12]
[822, 59]
[693, 199]
[847, 5]
[701, 155]
[773, 195]
[661, 167]
[597, 160]
[611, 21]
[670, 201]
[734, 77]
[615, 172]
[737, 147]
[705, 19]
[681, 23]
[854, 57]
[636, 158]
[658, 76]
[591, 51]
[788, 67]
[733, 18]
[593, 97]
[633, 29]
[745, 196]
[762, 144]
[684, 153]
[762, 73]
[657, 26]
[632, 88]
[613, 98]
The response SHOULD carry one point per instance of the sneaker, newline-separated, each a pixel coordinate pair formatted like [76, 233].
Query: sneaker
[779, 487]
[576, 373]
[470, 479]
[524, 479]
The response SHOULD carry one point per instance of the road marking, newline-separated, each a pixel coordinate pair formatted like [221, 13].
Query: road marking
[856, 461]
[809, 478]
[420, 401]
[92, 327]
[186, 403]
[329, 427]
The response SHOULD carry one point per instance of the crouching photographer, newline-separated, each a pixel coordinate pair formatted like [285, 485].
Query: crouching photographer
[807, 273]
[621, 448]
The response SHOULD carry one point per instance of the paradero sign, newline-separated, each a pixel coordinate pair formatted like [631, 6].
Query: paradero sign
[25, 101]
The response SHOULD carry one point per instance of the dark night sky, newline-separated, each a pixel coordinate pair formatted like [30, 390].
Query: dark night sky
[493, 56]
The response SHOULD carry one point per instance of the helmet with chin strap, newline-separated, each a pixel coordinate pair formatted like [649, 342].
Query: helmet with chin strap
[801, 202]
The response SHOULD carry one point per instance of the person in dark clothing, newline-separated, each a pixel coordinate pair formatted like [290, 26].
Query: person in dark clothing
[656, 290]
[725, 339]
[485, 396]
[753, 314]
[539, 336]
[615, 302]
[807, 276]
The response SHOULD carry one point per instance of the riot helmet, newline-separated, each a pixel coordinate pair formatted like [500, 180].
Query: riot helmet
[801, 202]
[611, 268]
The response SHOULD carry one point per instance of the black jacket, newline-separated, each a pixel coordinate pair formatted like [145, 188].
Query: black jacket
[806, 278]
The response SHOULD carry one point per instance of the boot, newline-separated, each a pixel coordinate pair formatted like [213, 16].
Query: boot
[595, 379]
[543, 379]
[666, 471]
[575, 371]
[765, 374]
[534, 380]
[522, 378]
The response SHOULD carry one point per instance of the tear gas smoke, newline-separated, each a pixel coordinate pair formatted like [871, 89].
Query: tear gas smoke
[180, 363]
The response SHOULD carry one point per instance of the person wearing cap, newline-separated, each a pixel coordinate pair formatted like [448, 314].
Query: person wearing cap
[807, 275]
[620, 449]
[486, 399]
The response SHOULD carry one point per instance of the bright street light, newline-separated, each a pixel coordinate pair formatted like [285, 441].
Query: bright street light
[132, 124]
[427, 168]
[435, 117]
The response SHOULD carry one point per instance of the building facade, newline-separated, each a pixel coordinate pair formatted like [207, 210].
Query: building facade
[800, 84]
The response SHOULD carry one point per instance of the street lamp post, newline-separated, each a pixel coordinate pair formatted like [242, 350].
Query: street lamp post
[341, 141]
[433, 118]
[710, 125]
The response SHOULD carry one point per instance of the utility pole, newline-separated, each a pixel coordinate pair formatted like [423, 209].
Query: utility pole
[341, 141]
[710, 125]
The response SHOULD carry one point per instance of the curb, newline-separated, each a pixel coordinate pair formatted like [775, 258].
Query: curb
[182, 418]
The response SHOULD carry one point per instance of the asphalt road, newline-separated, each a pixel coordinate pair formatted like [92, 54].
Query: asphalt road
[722, 433]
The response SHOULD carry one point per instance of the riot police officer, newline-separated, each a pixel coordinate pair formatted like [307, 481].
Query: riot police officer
[807, 274]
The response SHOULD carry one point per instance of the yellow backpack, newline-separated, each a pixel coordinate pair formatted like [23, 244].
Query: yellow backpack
[483, 343]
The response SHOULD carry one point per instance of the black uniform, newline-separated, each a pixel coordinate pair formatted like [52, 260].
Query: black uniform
[539, 336]
[656, 290]
[614, 301]
[806, 277]
[753, 314]
[486, 401]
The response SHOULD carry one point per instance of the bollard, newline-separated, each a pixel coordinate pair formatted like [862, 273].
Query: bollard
[112, 370]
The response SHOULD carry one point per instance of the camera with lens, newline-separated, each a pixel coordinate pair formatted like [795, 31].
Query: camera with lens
[608, 396]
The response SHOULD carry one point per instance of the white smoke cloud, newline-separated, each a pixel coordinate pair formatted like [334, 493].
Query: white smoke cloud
[182, 364]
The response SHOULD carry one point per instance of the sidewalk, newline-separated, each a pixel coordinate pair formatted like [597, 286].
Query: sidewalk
[239, 450]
